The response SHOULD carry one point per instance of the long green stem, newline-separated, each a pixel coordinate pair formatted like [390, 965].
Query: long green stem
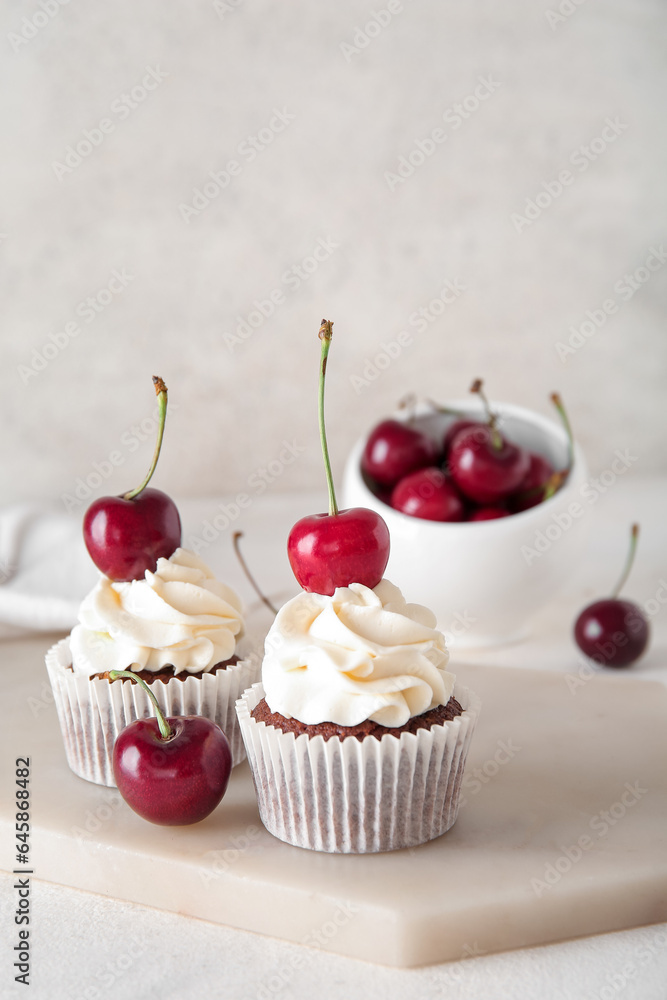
[634, 536]
[560, 477]
[161, 392]
[325, 334]
[165, 732]
[491, 418]
[558, 403]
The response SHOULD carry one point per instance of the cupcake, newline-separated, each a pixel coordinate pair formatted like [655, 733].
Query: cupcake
[180, 629]
[357, 735]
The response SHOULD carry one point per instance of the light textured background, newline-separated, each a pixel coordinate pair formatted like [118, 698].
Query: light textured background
[322, 177]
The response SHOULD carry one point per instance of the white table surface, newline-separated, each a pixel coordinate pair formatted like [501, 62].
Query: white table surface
[88, 946]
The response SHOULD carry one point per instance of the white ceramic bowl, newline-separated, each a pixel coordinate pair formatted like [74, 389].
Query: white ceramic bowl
[485, 580]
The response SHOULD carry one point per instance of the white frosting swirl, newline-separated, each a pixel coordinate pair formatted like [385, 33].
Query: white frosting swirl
[361, 654]
[179, 615]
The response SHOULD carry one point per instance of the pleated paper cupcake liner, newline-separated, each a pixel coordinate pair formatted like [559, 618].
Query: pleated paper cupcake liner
[358, 797]
[93, 711]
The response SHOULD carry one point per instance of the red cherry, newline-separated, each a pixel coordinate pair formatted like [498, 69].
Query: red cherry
[171, 771]
[395, 449]
[328, 551]
[614, 632]
[485, 466]
[531, 491]
[428, 494]
[453, 430]
[127, 537]
[342, 547]
[488, 513]
[611, 632]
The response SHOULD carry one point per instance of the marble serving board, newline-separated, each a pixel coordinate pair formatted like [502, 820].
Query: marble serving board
[562, 831]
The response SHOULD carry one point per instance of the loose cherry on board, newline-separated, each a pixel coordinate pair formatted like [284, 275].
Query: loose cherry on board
[126, 535]
[483, 464]
[342, 547]
[429, 494]
[614, 632]
[394, 450]
[172, 771]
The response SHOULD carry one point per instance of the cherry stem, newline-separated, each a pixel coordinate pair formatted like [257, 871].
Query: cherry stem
[244, 566]
[448, 411]
[165, 731]
[325, 335]
[634, 536]
[491, 418]
[558, 478]
[161, 393]
[409, 402]
[558, 403]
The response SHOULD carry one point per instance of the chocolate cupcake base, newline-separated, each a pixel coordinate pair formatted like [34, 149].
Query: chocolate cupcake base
[360, 795]
[435, 716]
[92, 711]
[165, 674]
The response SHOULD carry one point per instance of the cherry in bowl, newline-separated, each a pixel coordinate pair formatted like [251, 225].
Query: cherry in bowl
[429, 494]
[395, 449]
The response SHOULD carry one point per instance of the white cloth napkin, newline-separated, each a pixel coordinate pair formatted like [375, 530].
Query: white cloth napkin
[45, 570]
